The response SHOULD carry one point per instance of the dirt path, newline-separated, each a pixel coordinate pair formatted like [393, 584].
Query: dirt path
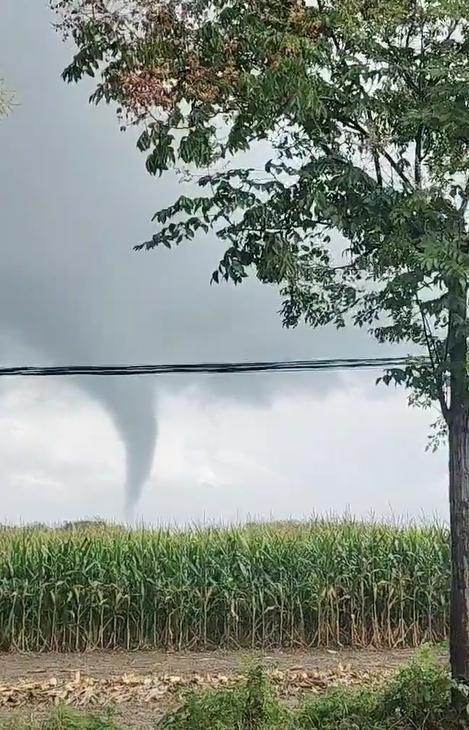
[30, 667]
[141, 686]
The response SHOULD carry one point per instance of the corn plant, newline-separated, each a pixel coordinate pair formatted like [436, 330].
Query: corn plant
[320, 584]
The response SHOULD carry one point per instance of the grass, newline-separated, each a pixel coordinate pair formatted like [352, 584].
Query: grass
[262, 586]
[418, 698]
[62, 719]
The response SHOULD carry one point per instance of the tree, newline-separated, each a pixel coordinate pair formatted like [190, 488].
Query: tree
[365, 106]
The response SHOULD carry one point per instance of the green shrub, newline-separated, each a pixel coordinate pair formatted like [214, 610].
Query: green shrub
[344, 709]
[418, 698]
[419, 695]
[216, 709]
[253, 706]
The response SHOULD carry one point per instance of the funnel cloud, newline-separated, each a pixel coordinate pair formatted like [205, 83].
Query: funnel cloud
[132, 407]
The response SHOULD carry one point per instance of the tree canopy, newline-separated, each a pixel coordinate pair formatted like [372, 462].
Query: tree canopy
[365, 107]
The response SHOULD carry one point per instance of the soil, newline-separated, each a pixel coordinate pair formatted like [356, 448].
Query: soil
[14, 667]
[37, 671]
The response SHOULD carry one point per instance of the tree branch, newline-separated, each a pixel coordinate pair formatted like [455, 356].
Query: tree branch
[365, 133]
[418, 158]
[464, 200]
[434, 364]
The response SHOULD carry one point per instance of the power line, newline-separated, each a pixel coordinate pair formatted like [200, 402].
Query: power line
[210, 368]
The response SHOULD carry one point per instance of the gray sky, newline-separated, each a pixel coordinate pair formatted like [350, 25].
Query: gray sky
[75, 197]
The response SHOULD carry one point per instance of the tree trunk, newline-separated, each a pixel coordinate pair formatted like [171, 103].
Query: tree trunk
[459, 515]
[458, 424]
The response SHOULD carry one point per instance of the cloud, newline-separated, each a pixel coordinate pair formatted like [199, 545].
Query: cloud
[221, 461]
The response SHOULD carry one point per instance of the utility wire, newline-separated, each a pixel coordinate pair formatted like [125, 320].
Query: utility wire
[210, 368]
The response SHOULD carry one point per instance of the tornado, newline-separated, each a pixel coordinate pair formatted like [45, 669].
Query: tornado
[131, 404]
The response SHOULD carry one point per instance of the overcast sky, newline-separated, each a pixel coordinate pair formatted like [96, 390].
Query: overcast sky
[75, 197]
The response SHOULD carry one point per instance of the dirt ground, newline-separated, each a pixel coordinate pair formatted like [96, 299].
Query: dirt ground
[14, 667]
[140, 686]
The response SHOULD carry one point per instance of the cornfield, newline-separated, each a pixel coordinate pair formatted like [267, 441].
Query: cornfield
[318, 584]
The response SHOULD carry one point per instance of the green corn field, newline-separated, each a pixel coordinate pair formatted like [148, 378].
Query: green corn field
[263, 586]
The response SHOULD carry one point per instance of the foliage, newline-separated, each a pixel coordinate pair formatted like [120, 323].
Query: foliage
[341, 709]
[253, 707]
[421, 690]
[418, 697]
[368, 137]
[312, 584]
